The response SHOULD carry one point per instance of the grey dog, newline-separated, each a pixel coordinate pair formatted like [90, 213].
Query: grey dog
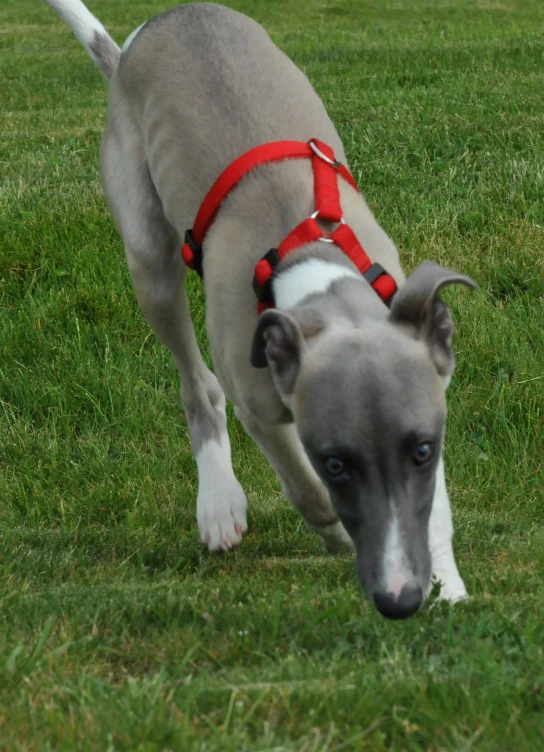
[345, 397]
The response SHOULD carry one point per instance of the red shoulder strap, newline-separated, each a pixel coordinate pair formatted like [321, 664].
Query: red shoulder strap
[277, 151]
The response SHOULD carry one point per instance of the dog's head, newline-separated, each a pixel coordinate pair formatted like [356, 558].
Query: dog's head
[369, 405]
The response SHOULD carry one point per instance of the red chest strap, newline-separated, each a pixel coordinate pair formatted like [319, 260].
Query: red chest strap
[326, 193]
[327, 204]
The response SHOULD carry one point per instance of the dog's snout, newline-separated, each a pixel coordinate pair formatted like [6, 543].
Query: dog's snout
[407, 603]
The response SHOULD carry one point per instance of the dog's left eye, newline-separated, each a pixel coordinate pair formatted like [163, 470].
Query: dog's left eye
[423, 453]
[336, 469]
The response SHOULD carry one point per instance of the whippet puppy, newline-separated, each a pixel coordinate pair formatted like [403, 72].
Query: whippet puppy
[344, 394]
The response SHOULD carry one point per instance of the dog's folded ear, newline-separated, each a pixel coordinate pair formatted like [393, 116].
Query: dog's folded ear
[417, 304]
[278, 342]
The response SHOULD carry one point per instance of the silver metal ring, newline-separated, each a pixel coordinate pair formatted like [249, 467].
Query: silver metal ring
[320, 154]
[342, 221]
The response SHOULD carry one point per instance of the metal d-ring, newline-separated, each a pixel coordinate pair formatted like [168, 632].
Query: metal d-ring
[326, 240]
[322, 240]
[317, 150]
[341, 221]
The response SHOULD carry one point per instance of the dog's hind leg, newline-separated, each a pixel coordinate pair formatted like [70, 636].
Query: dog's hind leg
[158, 273]
[444, 567]
[283, 449]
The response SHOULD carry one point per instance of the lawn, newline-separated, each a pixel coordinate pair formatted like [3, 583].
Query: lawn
[118, 630]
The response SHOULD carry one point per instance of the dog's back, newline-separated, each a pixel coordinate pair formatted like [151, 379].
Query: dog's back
[225, 86]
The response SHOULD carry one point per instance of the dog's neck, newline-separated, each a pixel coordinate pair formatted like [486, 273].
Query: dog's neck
[310, 276]
[320, 280]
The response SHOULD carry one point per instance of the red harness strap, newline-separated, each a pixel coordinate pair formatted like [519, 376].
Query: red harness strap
[327, 203]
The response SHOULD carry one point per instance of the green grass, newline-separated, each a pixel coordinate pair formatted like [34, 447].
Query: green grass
[118, 631]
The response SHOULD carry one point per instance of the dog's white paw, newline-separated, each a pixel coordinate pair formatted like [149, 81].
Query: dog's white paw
[451, 590]
[221, 515]
[453, 595]
[221, 503]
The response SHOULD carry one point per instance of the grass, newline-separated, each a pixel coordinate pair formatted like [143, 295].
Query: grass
[117, 630]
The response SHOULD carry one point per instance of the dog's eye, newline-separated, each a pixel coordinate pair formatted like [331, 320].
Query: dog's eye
[336, 469]
[423, 453]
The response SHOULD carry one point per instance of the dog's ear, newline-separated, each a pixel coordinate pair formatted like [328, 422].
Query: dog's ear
[278, 343]
[418, 304]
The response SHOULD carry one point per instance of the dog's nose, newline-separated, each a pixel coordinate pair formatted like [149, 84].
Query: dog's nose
[405, 605]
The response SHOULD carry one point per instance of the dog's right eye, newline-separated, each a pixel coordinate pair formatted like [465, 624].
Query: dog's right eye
[336, 469]
[423, 454]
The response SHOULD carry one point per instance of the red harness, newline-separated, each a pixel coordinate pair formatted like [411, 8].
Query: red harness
[327, 207]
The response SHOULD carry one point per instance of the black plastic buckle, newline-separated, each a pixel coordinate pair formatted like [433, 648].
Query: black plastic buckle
[372, 274]
[196, 251]
[264, 292]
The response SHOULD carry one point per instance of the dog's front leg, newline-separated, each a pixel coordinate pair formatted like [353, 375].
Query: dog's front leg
[158, 274]
[283, 449]
[444, 567]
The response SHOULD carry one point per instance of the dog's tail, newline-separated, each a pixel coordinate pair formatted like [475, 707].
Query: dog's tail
[93, 36]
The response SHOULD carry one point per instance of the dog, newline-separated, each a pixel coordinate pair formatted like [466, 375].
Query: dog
[344, 394]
